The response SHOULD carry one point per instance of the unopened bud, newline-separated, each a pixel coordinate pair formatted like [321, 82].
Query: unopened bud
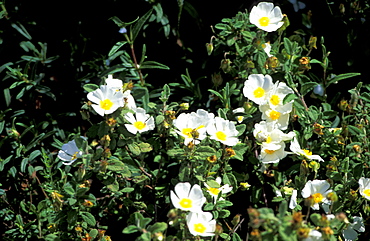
[226, 65]
[272, 62]
[312, 42]
[209, 47]
[216, 79]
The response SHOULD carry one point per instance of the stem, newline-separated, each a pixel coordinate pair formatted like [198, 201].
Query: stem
[136, 65]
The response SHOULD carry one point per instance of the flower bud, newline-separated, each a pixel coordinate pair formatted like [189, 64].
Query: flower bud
[272, 62]
[209, 47]
[318, 90]
[216, 79]
[312, 42]
[226, 65]
[184, 106]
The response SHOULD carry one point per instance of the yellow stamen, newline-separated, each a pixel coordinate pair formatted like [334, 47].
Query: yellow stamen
[187, 132]
[268, 139]
[317, 197]
[74, 156]
[275, 100]
[186, 203]
[221, 136]
[274, 115]
[259, 92]
[139, 125]
[214, 191]
[367, 192]
[106, 104]
[264, 21]
[269, 151]
[199, 228]
[307, 152]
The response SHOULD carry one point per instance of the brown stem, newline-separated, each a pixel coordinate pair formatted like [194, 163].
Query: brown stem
[136, 65]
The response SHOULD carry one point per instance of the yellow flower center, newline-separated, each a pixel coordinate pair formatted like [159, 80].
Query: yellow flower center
[199, 228]
[264, 21]
[259, 92]
[74, 156]
[106, 104]
[275, 100]
[186, 203]
[367, 192]
[221, 136]
[187, 132]
[274, 115]
[214, 191]
[307, 152]
[268, 139]
[317, 197]
[269, 151]
[139, 125]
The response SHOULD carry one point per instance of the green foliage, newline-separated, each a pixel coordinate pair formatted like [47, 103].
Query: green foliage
[117, 183]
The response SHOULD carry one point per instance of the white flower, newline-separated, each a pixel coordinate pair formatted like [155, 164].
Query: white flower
[188, 199]
[364, 187]
[281, 120]
[268, 132]
[276, 97]
[106, 100]
[272, 152]
[313, 235]
[266, 17]
[296, 148]
[223, 131]
[143, 122]
[350, 233]
[129, 100]
[214, 192]
[256, 88]
[293, 199]
[201, 224]
[239, 118]
[267, 48]
[193, 126]
[115, 84]
[69, 152]
[317, 190]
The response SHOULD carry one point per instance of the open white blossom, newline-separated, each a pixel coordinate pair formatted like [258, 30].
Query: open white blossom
[223, 131]
[272, 152]
[257, 87]
[201, 224]
[69, 152]
[268, 132]
[141, 122]
[280, 119]
[364, 187]
[193, 126]
[267, 48]
[296, 148]
[188, 198]
[239, 118]
[350, 233]
[276, 96]
[317, 191]
[115, 84]
[214, 192]
[106, 100]
[266, 17]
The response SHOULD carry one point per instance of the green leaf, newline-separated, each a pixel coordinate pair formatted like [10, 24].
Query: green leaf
[116, 47]
[205, 151]
[236, 237]
[157, 227]
[90, 87]
[116, 165]
[93, 233]
[145, 147]
[342, 76]
[288, 46]
[7, 97]
[240, 128]
[316, 218]
[69, 189]
[19, 27]
[354, 130]
[153, 65]
[165, 93]
[34, 154]
[289, 97]
[134, 148]
[139, 24]
[52, 237]
[24, 164]
[307, 87]
[130, 229]
[88, 218]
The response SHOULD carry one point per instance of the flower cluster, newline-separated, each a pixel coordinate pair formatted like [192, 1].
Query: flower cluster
[269, 133]
[191, 199]
[195, 126]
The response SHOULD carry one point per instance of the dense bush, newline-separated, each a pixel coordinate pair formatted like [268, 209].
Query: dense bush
[184, 121]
